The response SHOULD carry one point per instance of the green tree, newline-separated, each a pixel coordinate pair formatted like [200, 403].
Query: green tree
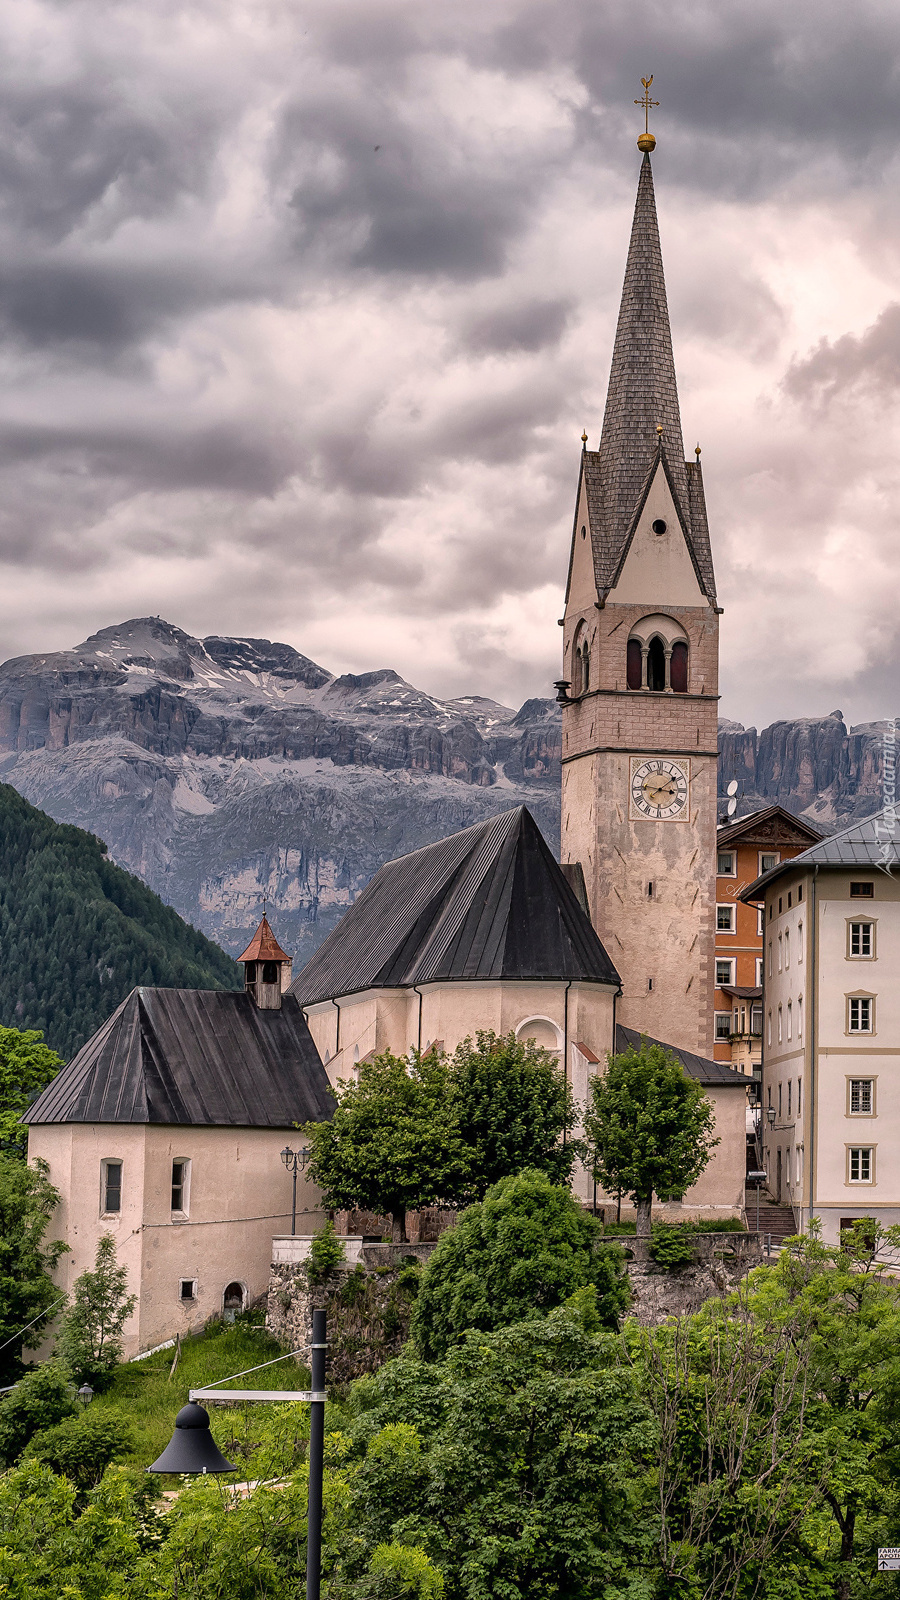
[649, 1127]
[393, 1142]
[518, 1465]
[26, 1067]
[44, 1397]
[514, 1108]
[82, 1447]
[54, 1544]
[90, 1335]
[28, 1294]
[527, 1247]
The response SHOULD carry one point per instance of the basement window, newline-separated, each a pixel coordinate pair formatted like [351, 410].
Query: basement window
[188, 1289]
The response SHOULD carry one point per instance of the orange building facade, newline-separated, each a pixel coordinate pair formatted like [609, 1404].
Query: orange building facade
[745, 849]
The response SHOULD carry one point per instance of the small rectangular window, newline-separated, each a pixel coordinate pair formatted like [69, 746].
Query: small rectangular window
[760, 921]
[862, 891]
[860, 1014]
[180, 1173]
[769, 1035]
[790, 897]
[799, 942]
[112, 1185]
[188, 1289]
[800, 1017]
[861, 938]
[779, 1024]
[861, 1099]
[799, 1097]
[723, 1026]
[780, 952]
[780, 1086]
[756, 1021]
[790, 1023]
[787, 948]
[725, 864]
[768, 861]
[799, 893]
[724, 972]
[725, 919]
[789, 1098]
[861, 1164]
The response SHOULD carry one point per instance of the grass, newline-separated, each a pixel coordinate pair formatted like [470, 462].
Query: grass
[625, 1230]
[148, 1400]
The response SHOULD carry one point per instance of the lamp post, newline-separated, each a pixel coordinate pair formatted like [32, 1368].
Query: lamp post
[192, 1448]
[85, 1394]
[295, 1161]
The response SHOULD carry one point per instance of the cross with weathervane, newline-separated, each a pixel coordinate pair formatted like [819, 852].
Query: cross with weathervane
[646, 102]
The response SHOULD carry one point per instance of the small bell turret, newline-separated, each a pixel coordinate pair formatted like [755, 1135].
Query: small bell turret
[267, 968]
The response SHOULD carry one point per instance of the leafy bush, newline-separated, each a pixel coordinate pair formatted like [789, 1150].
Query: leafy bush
[326, 1252]
[397, 1571]
[673, 1245]
[727, 1225]
[513, 1105]
[82, 1447]
[40, 1399]
[522, 1250]
[27, 1202]
[90, 1337]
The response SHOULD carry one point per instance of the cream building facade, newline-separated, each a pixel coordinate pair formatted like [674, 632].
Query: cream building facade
[831, 1040]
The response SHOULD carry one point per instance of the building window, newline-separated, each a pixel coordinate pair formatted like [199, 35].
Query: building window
[800, 1016]
[799, 942]
[760, 921]
[861, 1163]
[181, 1172]
[862, 939]
[799, 1167]
[249, 974]
[790, 1022]
[759, 973]
[725, 919]
[756, 1021]
[789, 1099]
[723, 1026]
[780, 952]
[862, 891]
[799, 893]
[780, 905]
[779, 1025]
[770, 958]
[860, 1013]
[862, 1097]
[769, 1029]
[656, 665]
[736, 1028]
[187, 1289]
[787, 948]
[724, 972]
[767, 861]
[634, 664]
[770, 1096]
[799, 1097]
[725, 866]
[678, 667]
[111, 1186]
[780, 1086]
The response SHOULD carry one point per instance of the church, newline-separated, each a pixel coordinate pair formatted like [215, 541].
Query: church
[166, 1129]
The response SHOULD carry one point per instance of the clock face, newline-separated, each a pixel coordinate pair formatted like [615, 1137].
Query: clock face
[660, 789]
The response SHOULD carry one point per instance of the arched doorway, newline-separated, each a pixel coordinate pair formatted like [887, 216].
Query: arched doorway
[233, 1301]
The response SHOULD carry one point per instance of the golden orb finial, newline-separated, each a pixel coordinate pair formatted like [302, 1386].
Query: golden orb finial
[659, 429]
[697, 452]
[584, 440]
[646, 143]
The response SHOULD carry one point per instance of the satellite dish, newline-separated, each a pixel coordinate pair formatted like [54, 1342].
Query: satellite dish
[732, 807]
[732, 787]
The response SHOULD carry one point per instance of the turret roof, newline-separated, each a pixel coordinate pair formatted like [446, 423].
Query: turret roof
[642, 397]
[264, 946]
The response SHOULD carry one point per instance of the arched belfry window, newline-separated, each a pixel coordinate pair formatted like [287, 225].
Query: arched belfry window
[657, 656]
[581, 663]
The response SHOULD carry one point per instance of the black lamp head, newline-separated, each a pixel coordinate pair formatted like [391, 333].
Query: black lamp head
[192, 1447]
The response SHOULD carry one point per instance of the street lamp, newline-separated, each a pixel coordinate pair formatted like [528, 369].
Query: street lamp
[770, 1113]
[85, 1394]
[192, 1448]
[295, 1161]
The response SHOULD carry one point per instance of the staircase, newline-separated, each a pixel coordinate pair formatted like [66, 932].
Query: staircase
[773, 1219]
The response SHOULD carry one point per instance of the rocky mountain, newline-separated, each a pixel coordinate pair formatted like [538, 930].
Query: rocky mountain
[220, 770]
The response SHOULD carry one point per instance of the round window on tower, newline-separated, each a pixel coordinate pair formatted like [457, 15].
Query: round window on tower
[659, 527]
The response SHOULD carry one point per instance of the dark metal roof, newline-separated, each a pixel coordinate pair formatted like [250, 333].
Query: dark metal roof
[716, 1073]
[642, 396]
[873, 844]
[489, 902]
[196, 1058]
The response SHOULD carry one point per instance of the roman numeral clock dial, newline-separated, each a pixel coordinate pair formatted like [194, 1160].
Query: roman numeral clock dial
[660, 789]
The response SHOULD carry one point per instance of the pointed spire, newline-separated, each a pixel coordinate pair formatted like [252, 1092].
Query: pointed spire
[642, 420]
[643, 394]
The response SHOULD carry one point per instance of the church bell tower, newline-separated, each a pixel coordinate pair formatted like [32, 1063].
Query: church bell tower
[640, 674]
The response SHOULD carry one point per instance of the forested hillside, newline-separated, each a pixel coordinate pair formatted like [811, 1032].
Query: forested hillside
[77, 932]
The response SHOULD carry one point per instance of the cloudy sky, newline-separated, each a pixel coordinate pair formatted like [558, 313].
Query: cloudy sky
[304, 305]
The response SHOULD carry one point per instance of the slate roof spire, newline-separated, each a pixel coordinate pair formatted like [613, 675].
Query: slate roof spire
[642, 420]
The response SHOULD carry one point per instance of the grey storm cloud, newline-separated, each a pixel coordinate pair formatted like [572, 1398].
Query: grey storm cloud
[303, 309]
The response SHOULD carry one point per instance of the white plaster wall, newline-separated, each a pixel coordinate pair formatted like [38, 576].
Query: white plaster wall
[240, 1195]
[658, 569]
